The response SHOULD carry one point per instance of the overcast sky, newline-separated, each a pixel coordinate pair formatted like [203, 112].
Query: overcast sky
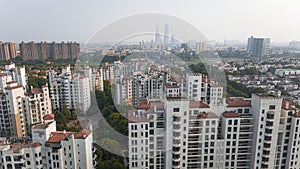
[216, 19]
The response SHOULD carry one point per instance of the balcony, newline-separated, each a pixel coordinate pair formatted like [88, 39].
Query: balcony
[176, 122]
[175, 167]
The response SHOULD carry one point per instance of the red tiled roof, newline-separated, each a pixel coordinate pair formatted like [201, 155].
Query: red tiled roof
[49, 117]
[11, 82]
[238, 102]
[204, 79]
[82, 134]
[137, 119]
[286, 104]
[37, 144]
[208, 115]
[144, 106]
[231, 114]
[170, 86]
[199, 104]
[2, 74]
[297, 115]
[14, 87]
[36, 91]
[58, 136]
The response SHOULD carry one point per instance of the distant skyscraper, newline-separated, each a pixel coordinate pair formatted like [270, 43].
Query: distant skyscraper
[166, 35]
[258, 46]
[157, 36]
[200, 47]
[294, 44]
[43, 50]
[8, 51]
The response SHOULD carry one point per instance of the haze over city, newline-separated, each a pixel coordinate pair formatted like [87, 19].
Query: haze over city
[217, 19]
[150, 84]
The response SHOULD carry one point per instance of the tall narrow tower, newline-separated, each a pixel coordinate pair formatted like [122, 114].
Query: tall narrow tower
[166, 35]
[157, 36]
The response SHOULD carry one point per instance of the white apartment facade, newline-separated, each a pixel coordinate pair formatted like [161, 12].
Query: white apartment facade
[19, 110]
[237, 134]
[50, 149]
[71, 90]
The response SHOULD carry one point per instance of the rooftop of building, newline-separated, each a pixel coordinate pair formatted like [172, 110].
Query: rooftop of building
[267, 95]
[49, 117]
[287, 105]
[198, 104]
[11, 82]
[58, 136]
[205, 115]
[3, 74]
[238, 102]
[297, 115]
[171, 86]
[13, 87]
[36, 91]
[42, 125]
[230, 114]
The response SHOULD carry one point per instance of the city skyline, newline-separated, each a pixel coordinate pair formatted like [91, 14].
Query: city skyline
[77, 21]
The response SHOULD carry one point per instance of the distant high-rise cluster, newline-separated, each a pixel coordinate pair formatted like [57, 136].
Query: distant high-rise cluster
[44, 50]
[294, 44]
[200, 47]
[19, 109]
[8, 50]
[258, 46]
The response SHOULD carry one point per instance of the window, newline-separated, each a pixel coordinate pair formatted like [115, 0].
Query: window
[175, 109]
[272, 107]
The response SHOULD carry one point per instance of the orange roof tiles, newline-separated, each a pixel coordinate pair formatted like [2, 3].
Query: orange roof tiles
[37, 144]
[11, 82]
[36, 90]
[231, 114]
[208, 115]
[82, 134]
[170, 86]
[199, 104]
[144, 106]
[133, 119]
[49, 117]
[286, 104]
[297, 115]
[238, 102]
[58, 136]
[14, 87]
[2, 74]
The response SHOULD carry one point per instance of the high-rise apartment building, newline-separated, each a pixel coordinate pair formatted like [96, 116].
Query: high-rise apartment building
[20, 110]
[148, 84]
[14, 73]
[8, 50]
[70, 89]
[258, 46]
[200, 46]
[43, 50]
[50, 149]
[260, 132]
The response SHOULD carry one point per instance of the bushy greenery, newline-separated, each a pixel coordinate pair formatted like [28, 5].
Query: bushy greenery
[36, 82]
[63, 118]
[235, 89]
[117, 122]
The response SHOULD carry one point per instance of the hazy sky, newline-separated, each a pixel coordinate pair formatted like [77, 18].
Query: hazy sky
[79, 19]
